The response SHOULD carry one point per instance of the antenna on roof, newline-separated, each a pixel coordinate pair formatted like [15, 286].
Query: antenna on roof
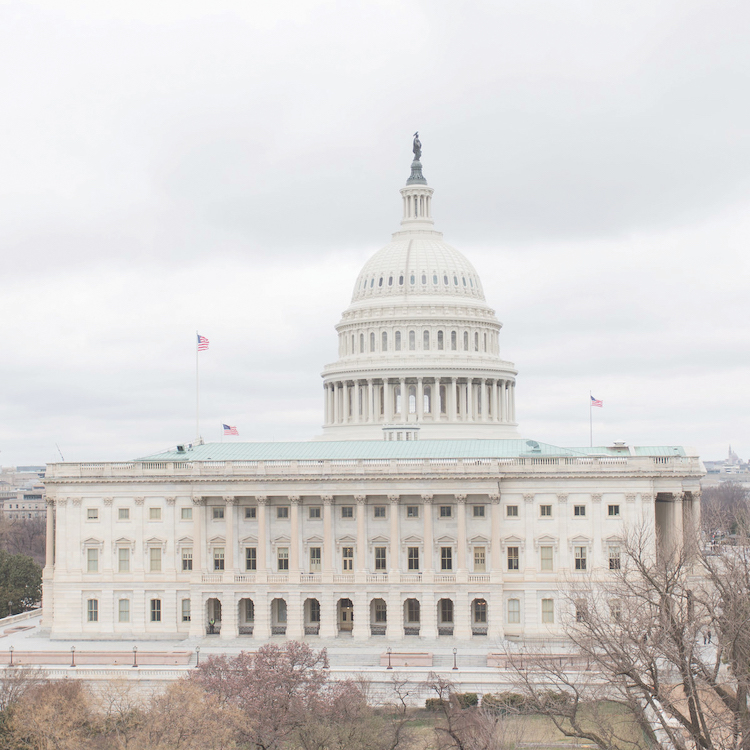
[60, 452]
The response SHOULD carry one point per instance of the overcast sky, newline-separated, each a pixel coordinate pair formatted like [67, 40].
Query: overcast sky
[228, 167]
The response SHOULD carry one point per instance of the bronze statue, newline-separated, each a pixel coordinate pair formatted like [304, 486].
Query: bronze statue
[417, 148]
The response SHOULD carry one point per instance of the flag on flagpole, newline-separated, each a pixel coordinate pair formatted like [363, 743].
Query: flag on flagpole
[596, 402]
[230, 430]
[202, 343]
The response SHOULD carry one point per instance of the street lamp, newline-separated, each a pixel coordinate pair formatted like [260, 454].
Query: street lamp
[10, 608]
[197, 656]
[135, 656]
[10, 648]
[455, 651]
[72, 656]
[389, 658]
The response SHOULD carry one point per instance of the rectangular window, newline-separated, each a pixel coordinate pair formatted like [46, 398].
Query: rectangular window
[614, 557]
[185, 608]
[123, 514]
[218, 558]
[615, 610]
[217, 513]
[251, 558]
[548, 611]
[347, 511]
[580, 553]
[187, 559]
[92, 560]
[511, 511]
[412, 610]
[123, 560]
[154, 559]
[282, 511]
[545, 558]
[379, 511]
[478, 511]
[545, 511]
[480, 611]
[381, 612]
[446, 511]
[92, 514]
[581, 610]
[249, 610]
[514, 611]
[480, 560]
[155, 610]
[282, 557]
[315, 559]
[513, 558]
[446, 558]
[123, 610]
[154, 514]
[92, 610]
[446, 611]
[613, 510]
[412, 511]
[347, 558]
[579, 510]
[380, 561]
[250, 513]
[186, 514]
[314, 610]
[412, 555]
[313, 512]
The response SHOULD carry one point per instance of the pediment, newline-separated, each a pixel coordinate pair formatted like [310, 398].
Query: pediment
[546, 539]
[281, 539]
[479, 539]
[612, 539]
[184, 540]
[412, 539]
[249, 539]
[379, 539]
[123, 541]
[154, 540]
[346, 539]
[445, 539]
[580, 539]
[218, 539]
[314, 539]
[92, 542]
[513, 540]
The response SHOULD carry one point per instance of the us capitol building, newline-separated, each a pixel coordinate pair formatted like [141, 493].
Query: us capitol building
[419, 513]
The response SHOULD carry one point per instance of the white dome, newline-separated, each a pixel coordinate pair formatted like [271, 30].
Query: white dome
[417, 265]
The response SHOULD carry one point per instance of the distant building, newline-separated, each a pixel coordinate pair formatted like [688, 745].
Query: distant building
[22, 494]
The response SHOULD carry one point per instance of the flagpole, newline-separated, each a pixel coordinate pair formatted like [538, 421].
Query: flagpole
[197, 402]
[591, 420]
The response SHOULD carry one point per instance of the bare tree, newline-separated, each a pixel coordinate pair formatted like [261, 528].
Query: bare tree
[667, 638]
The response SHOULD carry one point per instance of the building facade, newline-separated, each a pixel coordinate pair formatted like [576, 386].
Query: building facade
[419, 513]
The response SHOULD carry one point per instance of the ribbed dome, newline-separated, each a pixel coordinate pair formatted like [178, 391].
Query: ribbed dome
[416, 265]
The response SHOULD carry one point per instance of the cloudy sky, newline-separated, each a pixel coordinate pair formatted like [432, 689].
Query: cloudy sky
[228, 167]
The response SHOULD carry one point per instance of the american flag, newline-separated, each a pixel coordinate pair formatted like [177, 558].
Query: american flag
[230, 430]
[596, 402]
[202, 343]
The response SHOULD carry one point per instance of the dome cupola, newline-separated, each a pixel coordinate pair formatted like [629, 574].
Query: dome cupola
[418, 346]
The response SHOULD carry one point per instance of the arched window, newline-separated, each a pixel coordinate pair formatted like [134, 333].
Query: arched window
[390, 281]
[361, 343]
[412, 399]
[426, 340]
[476, 341]
[412, 279]
[454, 342]
[424, 278]
[455, 281]
[380, 281]
[445, 279]
[471, 281]
[372, 282]
[466, 341]
[427, 401]
[401, 280]
[434, 278]
[372, 342]
[384, 342]
[463, 278]
[412, 341]
[397, 341]
[440, 340]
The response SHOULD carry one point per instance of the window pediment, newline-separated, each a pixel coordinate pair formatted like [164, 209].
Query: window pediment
[281, 539]
[217, 539]
[122, 543]
[545, 541]
[314, 539]
[249, 540]
[155, 541]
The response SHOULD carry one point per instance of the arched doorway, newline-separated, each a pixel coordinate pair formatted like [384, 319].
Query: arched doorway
[445, 617]
[246, 616]
[312, 617]
[479, 617]
[278, 617]
[378, 617]
[412, 617]
[213, 616]
[345, 615]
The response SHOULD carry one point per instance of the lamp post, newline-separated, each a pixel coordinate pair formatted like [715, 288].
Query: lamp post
[10, 648]
[72, 656]
[455, 651]
[135, 656]
[389, 658]
[10, 609]
[197, 656]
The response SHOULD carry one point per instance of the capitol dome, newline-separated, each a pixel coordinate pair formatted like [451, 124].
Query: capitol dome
[419, 352]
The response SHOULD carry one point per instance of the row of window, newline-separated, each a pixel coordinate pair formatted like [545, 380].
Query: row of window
[314, 512]
[123, 610]
[408, 340]
[424, 278]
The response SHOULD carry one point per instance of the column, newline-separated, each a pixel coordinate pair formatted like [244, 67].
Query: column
[484, 385]
[197, 606]
[335, 403]
[452, 410]
[469, 401]
[327, 539]
[361, 536]
[325, 403]
[428, 614]
[294, 541]
[429, 553]
[564, 560]
[388, 401]
[262, 558]
[420, 400]
[48, 610]
[512, 402]
[361, 625]
[50, 536]
[229, 563]
[461, 570]
[496, 549]
[494, 403]
[503, 408]
[394, 571]
[404, 401]
[370, 401]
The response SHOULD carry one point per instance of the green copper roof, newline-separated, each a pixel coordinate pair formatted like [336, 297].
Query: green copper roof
[363, 449]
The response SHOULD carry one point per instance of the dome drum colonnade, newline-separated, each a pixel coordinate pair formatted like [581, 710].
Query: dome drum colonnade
[419, 345]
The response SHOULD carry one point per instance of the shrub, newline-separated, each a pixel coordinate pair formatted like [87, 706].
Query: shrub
[467, 700]
[504, 703]
[434, 704]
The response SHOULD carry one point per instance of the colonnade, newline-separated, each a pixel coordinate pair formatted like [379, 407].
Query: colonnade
[410, 400]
